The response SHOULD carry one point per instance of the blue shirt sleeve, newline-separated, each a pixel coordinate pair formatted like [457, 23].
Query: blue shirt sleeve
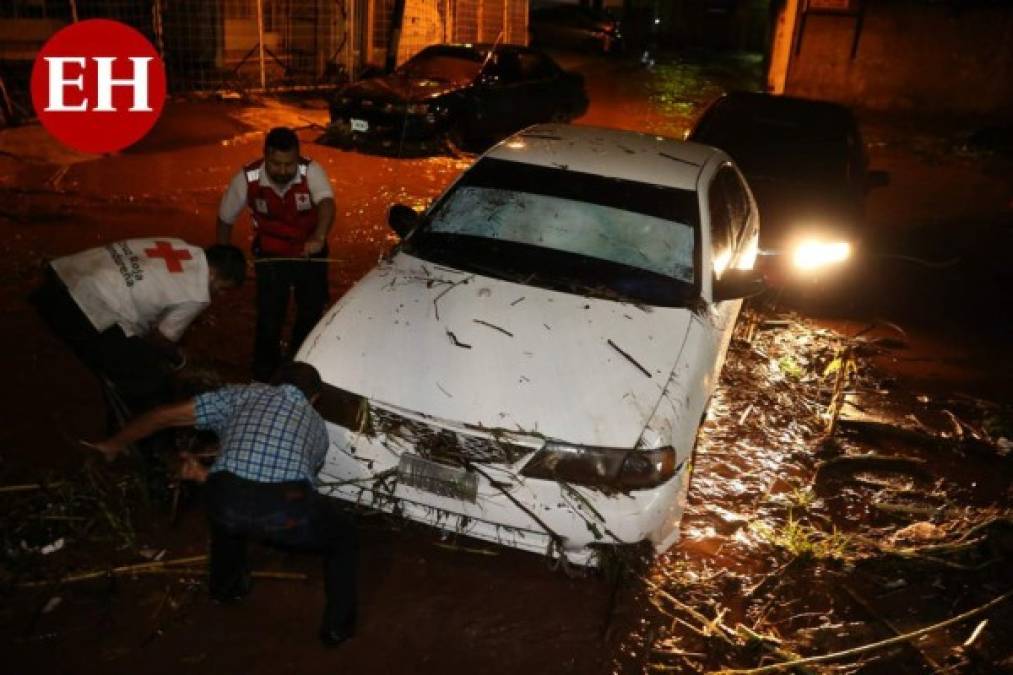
[321, 442]
[213, 408]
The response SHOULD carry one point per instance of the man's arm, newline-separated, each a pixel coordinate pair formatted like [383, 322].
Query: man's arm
[325, 219]
[224, 232]
[230, 207]
[182, 414]
[323, 197]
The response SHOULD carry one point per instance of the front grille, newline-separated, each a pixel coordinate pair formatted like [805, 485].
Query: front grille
[443, 445]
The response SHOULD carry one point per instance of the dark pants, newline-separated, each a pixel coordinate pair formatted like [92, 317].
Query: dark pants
[275, 280]
[291, 515]
[139, 370]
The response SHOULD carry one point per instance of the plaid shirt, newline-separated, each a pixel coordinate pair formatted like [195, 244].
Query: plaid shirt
[267, 434]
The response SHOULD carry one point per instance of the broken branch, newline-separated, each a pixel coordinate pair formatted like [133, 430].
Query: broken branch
[629, 358]
[907, 637]
[116, 571]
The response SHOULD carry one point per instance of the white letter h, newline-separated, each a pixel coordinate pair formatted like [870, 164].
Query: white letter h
[106, 83]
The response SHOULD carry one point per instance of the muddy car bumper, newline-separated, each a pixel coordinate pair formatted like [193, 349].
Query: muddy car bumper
[530, 514]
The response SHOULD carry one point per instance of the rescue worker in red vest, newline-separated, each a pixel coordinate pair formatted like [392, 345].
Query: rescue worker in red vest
[292, 209]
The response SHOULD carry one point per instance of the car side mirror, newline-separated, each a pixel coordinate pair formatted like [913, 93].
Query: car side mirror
[877, 179]
[402, 219]
[736, 283]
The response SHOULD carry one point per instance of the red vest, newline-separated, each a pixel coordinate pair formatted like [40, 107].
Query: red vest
[282, 224]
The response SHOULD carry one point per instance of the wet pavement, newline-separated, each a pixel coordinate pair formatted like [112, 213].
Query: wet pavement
[782, 536]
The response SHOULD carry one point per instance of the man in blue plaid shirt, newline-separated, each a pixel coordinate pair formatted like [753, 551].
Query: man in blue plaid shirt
[261, 486]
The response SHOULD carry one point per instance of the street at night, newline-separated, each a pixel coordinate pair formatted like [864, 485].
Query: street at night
[850, 478]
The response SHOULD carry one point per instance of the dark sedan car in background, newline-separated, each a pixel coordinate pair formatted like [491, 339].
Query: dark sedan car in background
[469, 95]
[806, 165]
[575, 27]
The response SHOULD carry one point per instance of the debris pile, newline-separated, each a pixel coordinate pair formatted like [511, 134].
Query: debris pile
[837, 521]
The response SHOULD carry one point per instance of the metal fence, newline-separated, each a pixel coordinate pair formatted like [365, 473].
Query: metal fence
[258, 44]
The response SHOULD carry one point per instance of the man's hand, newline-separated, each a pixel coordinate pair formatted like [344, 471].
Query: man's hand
[110, 448]
[192, 469]
[313, 246]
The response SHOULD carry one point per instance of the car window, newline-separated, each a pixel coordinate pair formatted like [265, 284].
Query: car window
[445, 67]
[523, 222]
[721, 225]
[570, 225]
[738, 202]
[505, 67]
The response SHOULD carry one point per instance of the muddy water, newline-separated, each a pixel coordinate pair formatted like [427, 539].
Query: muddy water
[445, 606]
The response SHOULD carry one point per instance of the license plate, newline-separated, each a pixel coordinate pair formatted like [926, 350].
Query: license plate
[359, 125]
[438, 479]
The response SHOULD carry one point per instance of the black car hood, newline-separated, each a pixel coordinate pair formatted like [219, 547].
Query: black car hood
[399, 88]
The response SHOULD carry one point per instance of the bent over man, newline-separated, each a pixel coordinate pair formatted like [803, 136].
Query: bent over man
[123, 307]
[292, 209]
[261, 486]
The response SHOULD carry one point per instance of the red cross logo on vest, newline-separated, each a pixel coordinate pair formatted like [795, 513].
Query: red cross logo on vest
[164, 250]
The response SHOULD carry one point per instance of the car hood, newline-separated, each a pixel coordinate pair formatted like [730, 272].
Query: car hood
[481, 351]
[398, 88]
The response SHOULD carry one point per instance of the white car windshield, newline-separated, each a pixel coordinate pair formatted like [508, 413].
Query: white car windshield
[578, 227]
[567, 230]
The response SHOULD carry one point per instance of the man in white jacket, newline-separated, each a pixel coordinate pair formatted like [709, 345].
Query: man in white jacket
[123, 307]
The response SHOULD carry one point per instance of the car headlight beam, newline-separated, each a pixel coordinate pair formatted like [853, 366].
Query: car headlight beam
[813, 254]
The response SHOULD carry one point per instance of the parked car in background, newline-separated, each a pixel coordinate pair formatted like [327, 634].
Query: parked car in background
[469, 94]
[575, 27]
[806, 165]
[530, 364]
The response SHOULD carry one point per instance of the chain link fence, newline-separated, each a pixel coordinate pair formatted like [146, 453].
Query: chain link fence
[212, 45]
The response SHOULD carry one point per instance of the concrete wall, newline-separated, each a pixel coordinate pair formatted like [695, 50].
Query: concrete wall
[909, 56]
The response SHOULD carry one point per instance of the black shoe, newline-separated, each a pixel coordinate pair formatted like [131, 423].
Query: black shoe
[334, 637]
[334, 633]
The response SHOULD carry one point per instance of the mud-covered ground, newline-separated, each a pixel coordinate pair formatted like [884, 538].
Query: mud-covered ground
[800, 540]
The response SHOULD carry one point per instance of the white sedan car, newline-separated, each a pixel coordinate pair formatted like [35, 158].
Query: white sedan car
[530, 364]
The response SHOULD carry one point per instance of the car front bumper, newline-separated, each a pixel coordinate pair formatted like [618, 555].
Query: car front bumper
[530, 514]
[384, 129]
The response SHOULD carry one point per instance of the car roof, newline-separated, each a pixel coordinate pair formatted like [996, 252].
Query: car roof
[629, 155]
[819, 117]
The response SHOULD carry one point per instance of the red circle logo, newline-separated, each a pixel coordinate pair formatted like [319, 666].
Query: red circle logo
[98, 86]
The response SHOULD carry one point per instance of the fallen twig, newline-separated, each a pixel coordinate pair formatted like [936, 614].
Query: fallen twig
[28, 487]
[494, 327]
[864, 604]
[629, 358]
[974, 634]
[115, 571]
[907, 637]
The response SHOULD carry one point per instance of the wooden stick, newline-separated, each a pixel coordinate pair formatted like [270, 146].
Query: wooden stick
[864, 604]
[280, 576]
[28, 487]
[907, 637]
[123, 569]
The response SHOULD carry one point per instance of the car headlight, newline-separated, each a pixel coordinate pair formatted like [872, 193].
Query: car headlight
[418, 108]
[602, 467]
[812, 254]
